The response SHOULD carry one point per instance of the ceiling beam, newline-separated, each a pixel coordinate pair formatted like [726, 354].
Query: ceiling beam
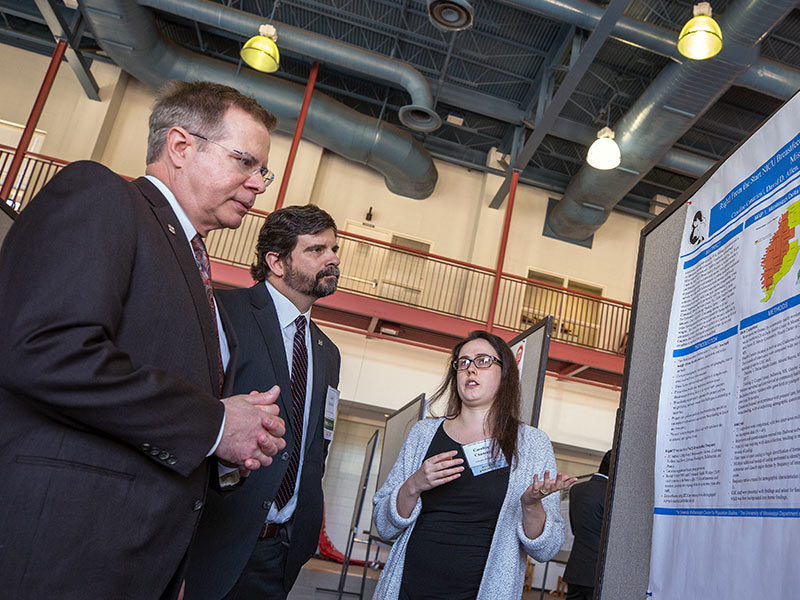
[565, 34]
[590, 49]
[61, 31]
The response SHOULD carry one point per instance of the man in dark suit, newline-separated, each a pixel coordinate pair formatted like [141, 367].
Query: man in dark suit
[252, 542]
[586, 503]
[112, 358]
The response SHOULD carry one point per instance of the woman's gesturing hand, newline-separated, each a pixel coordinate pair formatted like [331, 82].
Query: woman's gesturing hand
[435, 471]
[538, 490]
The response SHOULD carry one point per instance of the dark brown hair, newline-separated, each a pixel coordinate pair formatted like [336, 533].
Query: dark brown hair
[199, 108]
[280, 230]
[503, 417]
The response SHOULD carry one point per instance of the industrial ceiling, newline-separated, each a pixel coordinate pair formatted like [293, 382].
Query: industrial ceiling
[391, 76]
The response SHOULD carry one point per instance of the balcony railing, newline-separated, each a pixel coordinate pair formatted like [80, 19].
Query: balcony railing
[443, 285]
[35, 171]
[390, 272]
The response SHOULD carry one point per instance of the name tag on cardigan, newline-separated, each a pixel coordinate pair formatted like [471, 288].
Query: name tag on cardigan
[331, 407]
[479, 457]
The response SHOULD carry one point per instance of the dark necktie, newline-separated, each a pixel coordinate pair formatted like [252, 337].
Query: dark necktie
[299, 378]
[204, 265]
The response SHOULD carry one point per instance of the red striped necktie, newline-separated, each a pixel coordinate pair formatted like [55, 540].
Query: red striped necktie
[204, 265]
[299, 379]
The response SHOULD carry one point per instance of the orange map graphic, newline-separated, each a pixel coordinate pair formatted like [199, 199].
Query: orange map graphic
[781, 252]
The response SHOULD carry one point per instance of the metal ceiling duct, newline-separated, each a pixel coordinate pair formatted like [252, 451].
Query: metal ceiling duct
[127, 33]
[419, 115]
[663, 113]
[762, 75]
[451, 15]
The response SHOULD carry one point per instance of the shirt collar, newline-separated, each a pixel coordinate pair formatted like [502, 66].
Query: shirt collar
[186, 224]
[287, 312]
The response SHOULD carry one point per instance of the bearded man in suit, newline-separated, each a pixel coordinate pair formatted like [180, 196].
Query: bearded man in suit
[113, 354]
[252, 542]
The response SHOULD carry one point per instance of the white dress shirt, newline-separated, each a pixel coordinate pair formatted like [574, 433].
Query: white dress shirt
[190, 232]
[287, 313]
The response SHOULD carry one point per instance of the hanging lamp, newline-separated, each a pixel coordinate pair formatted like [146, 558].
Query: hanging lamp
[604, 153]
[261, 51]
[701, 37]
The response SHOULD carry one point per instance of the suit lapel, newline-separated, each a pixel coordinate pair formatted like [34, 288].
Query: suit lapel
[319, 391]
[180, 246]
[233, 349]
[266, 317]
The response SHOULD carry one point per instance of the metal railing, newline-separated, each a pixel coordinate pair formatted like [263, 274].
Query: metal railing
[411, 277]
[36, 170]
[443, 285]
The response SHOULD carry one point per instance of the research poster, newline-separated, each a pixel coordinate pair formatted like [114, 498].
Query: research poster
[727, 468]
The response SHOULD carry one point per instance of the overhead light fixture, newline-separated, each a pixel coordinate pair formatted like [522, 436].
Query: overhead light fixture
[701, 37]
[604, 152]
[450, 15]
[261, 51]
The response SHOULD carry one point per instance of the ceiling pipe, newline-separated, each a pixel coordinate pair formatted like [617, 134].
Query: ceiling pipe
[763, 75]
[127, 33]
[678, 161]
[662, 114]
[419, 115]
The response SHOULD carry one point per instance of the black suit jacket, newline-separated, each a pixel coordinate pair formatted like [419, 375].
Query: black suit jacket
[232, 520]
[108, 379]
[586, 503]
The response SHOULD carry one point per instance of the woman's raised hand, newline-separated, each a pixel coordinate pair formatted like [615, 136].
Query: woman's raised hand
[539, 489]
[435, 471]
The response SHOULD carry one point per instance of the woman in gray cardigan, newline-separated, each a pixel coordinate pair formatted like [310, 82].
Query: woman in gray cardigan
[463, 518]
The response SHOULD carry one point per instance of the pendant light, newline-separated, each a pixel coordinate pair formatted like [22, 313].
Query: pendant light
[261, 51]
[604, 152]
[701, 37]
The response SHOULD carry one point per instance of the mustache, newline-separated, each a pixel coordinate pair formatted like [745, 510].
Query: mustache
[328, 272]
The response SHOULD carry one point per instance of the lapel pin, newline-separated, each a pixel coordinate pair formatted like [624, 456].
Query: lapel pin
[319, 342]
[171, 228]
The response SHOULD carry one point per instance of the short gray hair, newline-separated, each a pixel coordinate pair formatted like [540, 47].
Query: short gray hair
[198, 107]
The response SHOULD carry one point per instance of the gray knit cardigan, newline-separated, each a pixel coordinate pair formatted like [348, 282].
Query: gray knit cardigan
[505, 567]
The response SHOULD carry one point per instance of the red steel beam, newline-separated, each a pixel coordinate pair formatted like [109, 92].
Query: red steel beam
[33, 119]
[298, 131]
[502, 254]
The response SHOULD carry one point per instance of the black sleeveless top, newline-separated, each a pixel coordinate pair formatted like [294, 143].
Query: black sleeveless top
[448, 548]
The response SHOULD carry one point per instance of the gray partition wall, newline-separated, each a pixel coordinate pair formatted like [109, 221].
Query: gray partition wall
[625, 565]
[534, 366]
[398, 424]
[623, 570]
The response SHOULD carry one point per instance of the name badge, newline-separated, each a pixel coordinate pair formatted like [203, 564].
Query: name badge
[331, 406]
[479, 457]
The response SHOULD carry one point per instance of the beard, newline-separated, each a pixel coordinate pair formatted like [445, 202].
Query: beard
[320, 285]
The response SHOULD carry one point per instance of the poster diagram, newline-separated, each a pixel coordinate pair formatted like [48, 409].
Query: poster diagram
[727, 469]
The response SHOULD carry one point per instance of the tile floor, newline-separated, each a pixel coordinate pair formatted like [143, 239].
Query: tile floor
[325, 574]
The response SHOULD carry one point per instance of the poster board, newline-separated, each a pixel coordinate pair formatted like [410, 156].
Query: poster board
[363, 482]
[530, 348]
[398, 424]
[690, 512]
